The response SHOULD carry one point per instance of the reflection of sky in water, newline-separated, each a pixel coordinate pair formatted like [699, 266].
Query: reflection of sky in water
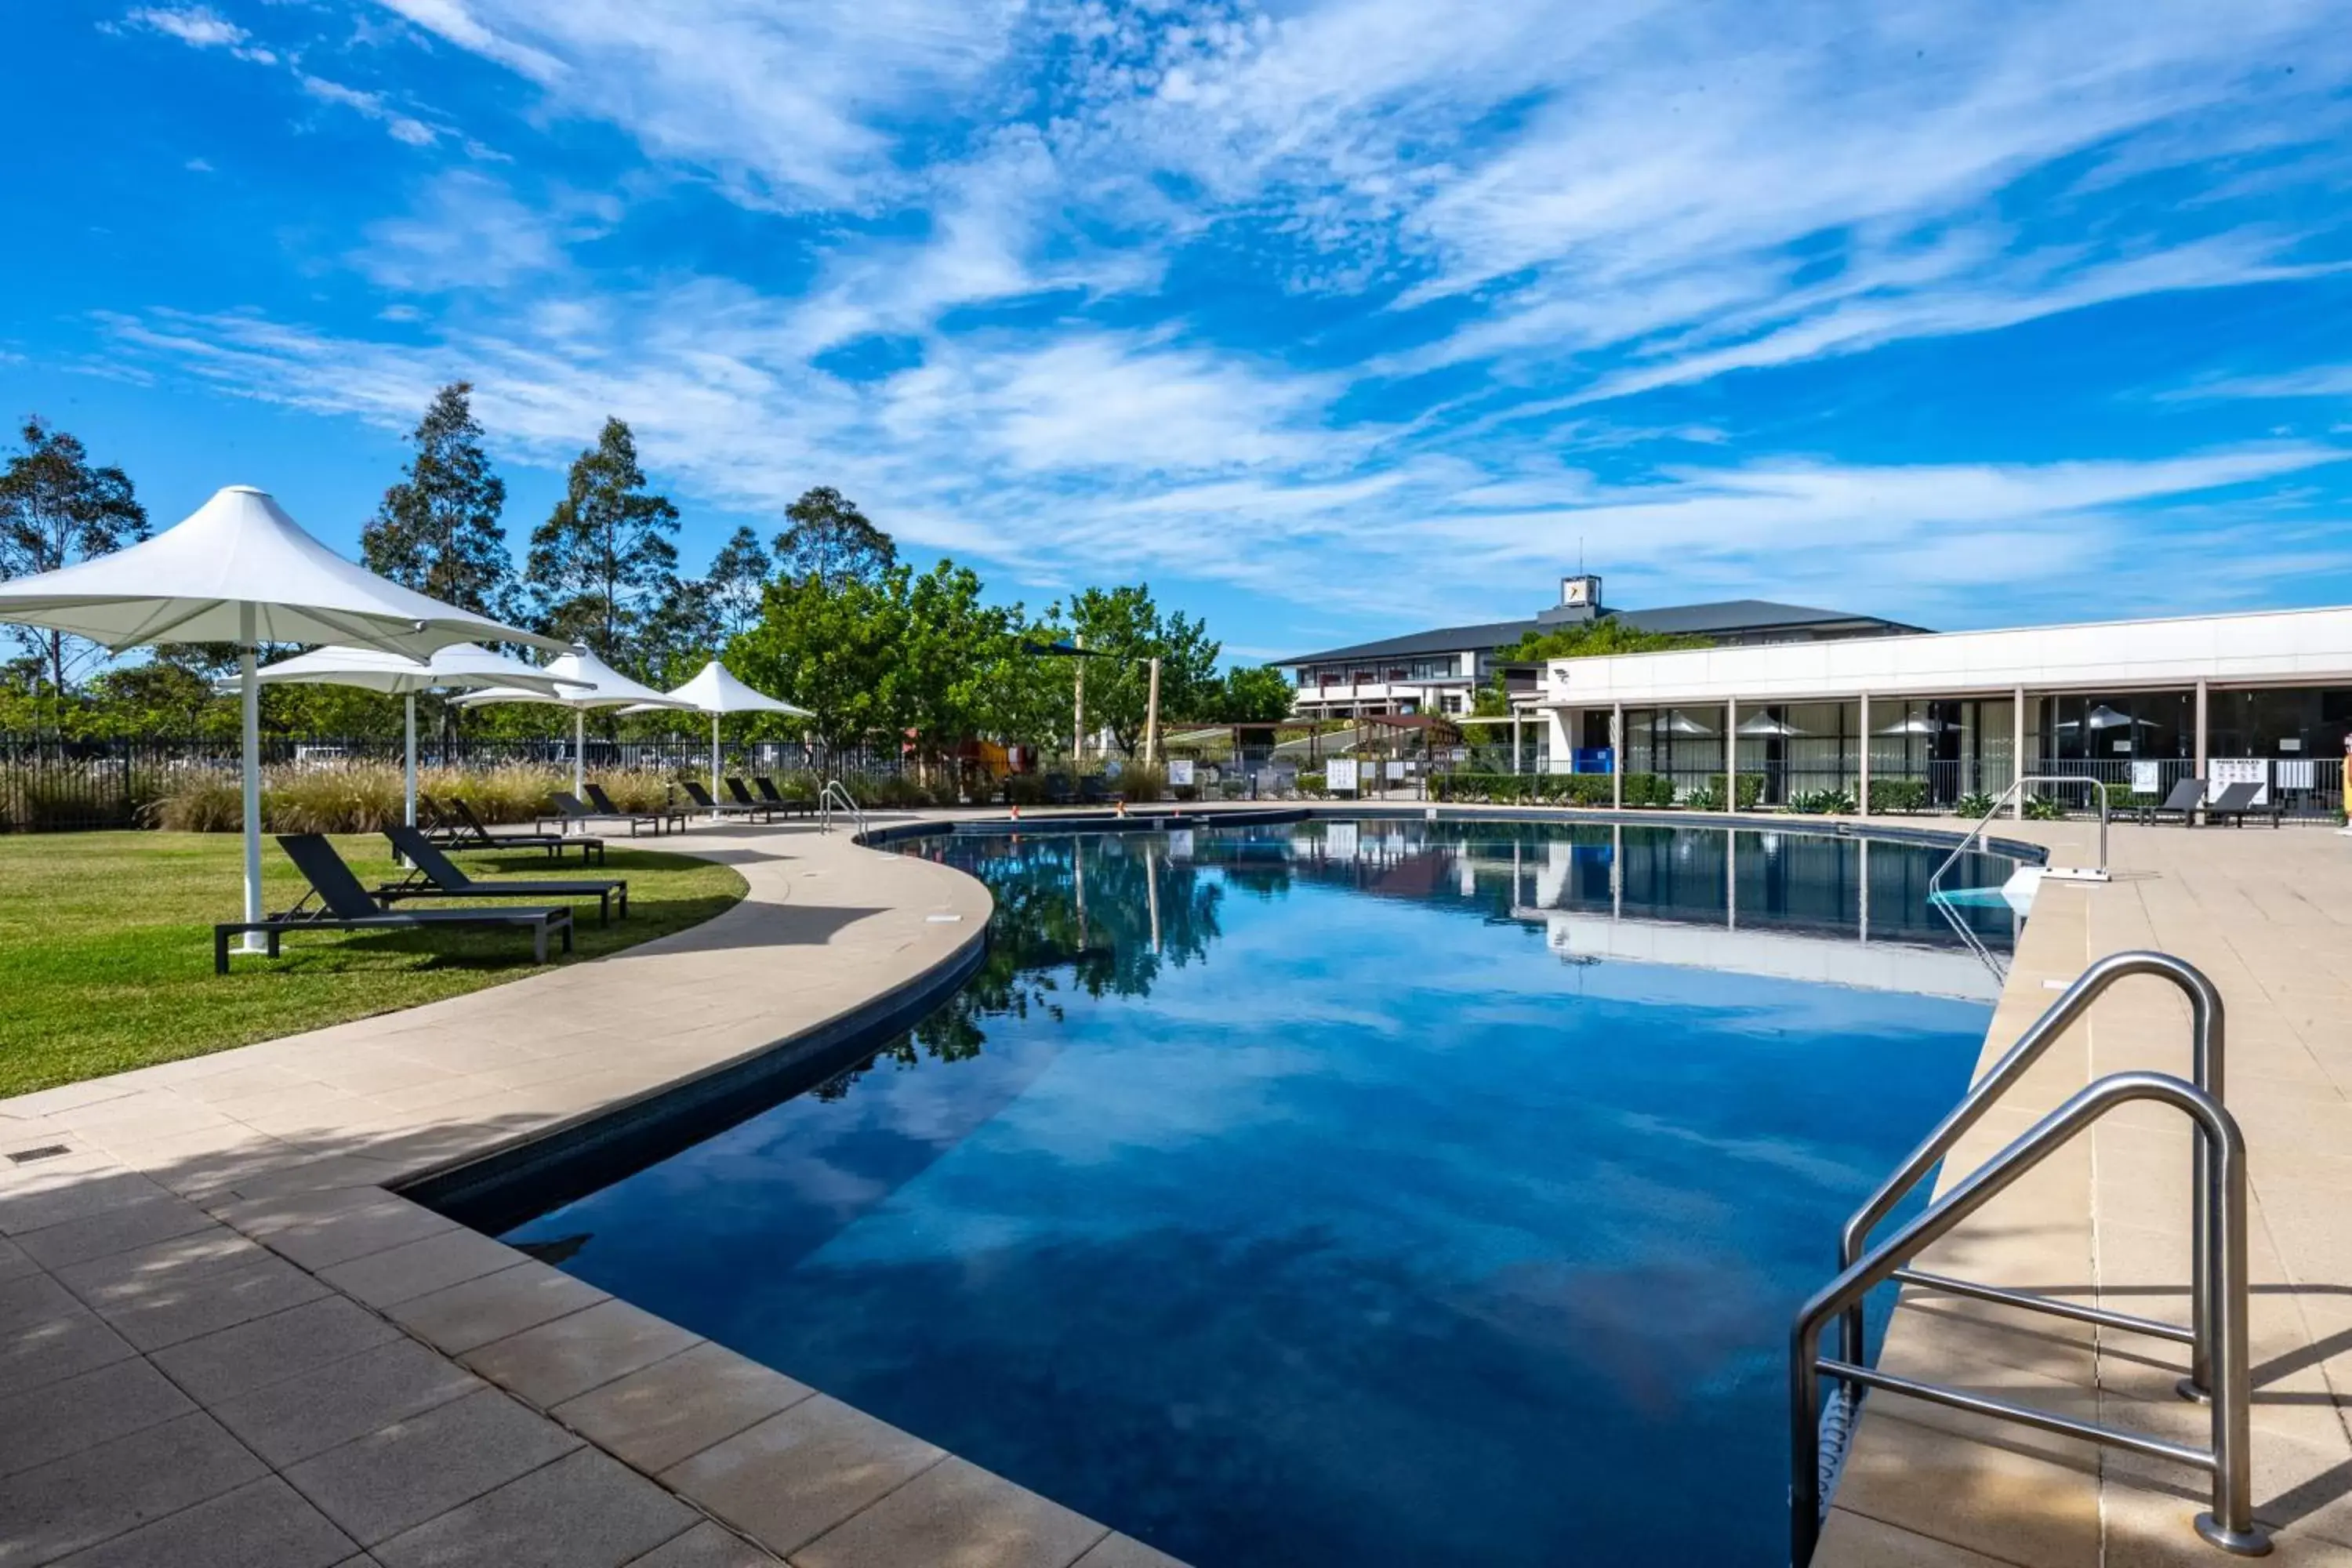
[1368, 1234]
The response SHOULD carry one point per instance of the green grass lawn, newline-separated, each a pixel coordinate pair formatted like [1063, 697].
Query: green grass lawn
[106, 946]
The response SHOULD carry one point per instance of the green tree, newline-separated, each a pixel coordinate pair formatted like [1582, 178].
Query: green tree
[836, 649]
[958, 651]
[1249, 694]
[738, 584]
[602, 560]
[1128, 629]
[437, 529]
[55, 509]
[831, 541]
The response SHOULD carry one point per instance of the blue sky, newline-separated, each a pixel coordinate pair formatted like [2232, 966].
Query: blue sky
[1330, 320]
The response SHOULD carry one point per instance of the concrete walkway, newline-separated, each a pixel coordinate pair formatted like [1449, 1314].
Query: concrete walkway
[222, 1341]
[2268, 916]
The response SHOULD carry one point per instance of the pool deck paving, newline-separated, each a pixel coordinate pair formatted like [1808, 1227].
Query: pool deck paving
[224, 1340]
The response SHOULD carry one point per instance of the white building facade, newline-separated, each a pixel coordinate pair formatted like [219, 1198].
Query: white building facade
[1937, 718]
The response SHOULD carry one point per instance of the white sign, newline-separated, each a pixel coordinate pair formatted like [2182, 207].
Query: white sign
[2146, 780]
[1341, 775]
[2226, 770]
[1396, 767]
[1179, 772]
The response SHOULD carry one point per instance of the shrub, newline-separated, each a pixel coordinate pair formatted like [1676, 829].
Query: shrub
[2042, 808]
[1312, 784]
[2120, 795]
[1143, 781]
[1824, 802]
[1974, 804]
[364, 797]
[199, 800]
[1898, 794]
[1707, 796]
[1649, 790]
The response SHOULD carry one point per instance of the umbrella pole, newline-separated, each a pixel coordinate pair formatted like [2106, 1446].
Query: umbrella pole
[714, 763]
[408, 801]
[579, 751]
[249, 672]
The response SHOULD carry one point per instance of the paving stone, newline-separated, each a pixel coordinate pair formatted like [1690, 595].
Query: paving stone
[796, 1474]
[32, 1356]
[77, 1412]
[956, 1515]
[343, 1224]
[675, 1408]
[1847, 1539]
[464, 1317]
[417, 1469]
[291, 1420]
[172, 1261]
[1125, 1551]
[57, 1202]
[250, 1356]
[585, 1510]
[116, 1229]
[13, 1261]
[707, 1545]
[417, 1268]
[104, 1491]
[31, 1298]
[566, 1358]
[263, 1523]
[216, 1298]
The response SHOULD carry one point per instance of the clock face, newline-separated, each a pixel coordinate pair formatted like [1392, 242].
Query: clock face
[1573, 590]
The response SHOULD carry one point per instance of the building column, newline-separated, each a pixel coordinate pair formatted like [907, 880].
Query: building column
[1731, 753]
[1617, 756]
[1863, 803]
[1515, 739]
[2200, 730]
[2017, 768]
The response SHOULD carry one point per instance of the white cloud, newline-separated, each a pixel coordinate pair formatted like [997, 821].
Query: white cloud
[470, 232]
[201, 27]
[400, 125]
[2317, 381]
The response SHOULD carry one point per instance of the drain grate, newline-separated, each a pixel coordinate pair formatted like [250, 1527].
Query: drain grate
[46, 1151]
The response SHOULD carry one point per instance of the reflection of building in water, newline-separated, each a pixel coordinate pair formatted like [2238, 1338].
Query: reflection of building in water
[1835, 908]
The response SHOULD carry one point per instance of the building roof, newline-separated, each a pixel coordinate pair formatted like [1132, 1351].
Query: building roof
[1714, 619]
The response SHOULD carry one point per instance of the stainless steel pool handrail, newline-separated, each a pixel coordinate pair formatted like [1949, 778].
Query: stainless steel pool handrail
[2222, 1281]
[836, 794]
[1975, 835]
[2207, 1031]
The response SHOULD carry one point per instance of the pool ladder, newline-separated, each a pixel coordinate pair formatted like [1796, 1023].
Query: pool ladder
[835, 795]
[1974, 838]
[2217, 1333]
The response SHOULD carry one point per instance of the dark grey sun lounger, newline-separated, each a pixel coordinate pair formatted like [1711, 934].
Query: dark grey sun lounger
[455, 827]
[433, 875]
[2236, 802]
[700, 796]
[572, 808]
[782, 802]
[345, 905]
[2181, 802]
[665, 817]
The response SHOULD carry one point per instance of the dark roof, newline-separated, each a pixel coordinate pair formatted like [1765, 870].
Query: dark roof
[1726, 616]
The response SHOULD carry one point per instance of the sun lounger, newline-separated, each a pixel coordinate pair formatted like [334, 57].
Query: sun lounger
[2181, 802]
[665, 816]
[344, 904]
[2236, 803]
[783, 802]
[455, 827]
[1094, 790]
[702, 800]
[572, 808]
[433, 875]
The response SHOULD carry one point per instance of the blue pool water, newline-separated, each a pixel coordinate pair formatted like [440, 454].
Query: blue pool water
[1350, 1194]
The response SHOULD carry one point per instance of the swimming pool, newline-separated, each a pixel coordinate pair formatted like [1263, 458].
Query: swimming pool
[1365, 1192]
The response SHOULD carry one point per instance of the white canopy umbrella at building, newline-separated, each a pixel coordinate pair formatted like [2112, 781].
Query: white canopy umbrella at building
[716, 692]
[460, 666]
[588, 682]
[239, 569]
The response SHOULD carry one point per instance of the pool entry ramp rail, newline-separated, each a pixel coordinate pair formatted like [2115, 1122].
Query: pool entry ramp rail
[2217, 1333]
[1974, 839]
[835, 796]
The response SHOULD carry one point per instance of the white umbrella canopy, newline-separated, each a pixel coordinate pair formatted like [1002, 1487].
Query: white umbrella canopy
[460, 666]
[589, 683]
[239, 570]
[716, 691]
